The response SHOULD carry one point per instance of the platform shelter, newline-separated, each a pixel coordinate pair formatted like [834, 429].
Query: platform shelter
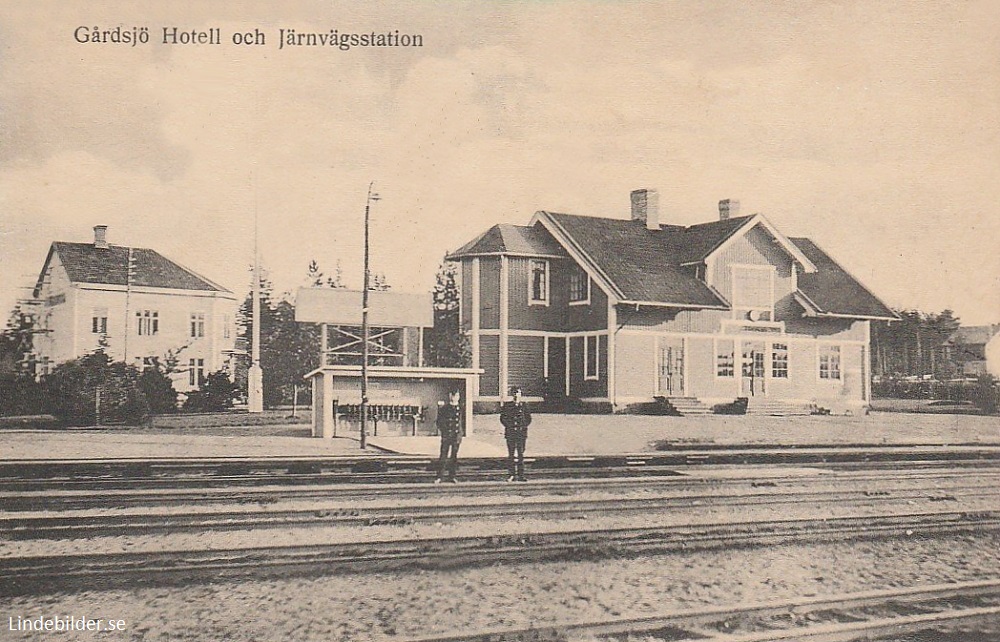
[403, 392]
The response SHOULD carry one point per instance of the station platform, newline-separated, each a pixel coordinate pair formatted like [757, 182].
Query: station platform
[430, 446]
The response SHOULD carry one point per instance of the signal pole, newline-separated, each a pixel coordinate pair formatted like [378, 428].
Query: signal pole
[364, 327]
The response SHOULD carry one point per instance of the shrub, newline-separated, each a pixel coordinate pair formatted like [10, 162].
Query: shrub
[77, 388]
[21, 395]
[215, 394]
[158, 388]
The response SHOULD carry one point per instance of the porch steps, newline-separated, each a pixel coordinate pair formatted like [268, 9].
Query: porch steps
[686, 406]
[778, 408]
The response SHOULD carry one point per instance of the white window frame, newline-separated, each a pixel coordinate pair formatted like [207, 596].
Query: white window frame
[148, 320]
[547, 278]
[740, 311]
[99, 321]
[715, 359]
[788, 360]
[196, 371]
[197, 327]
[596, 374]
[579, 271]
[830, 348]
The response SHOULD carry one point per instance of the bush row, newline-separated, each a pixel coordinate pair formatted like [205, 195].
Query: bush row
[93, 389]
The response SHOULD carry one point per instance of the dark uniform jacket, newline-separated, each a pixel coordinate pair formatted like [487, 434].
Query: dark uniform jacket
[515, 419]
[449, 423]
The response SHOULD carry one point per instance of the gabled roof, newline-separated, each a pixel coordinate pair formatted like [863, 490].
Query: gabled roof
[509, 239]
[694, 244]
[701, 241]
[637, 261]
[658, 267]
[86, 263]
[831, 291]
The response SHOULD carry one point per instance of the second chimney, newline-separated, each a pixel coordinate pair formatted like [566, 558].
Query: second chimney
[646, 207]
[728, 208]
[101, 237]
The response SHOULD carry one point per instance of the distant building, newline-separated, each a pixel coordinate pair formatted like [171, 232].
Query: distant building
[88, 295]
[975, 350]
[612, 313]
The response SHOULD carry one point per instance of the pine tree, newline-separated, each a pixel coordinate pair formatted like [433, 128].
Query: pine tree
[446, 345]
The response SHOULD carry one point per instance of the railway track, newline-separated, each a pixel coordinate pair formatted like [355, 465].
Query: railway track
[842, 618]
[263, 516]
[45, 574]
[104, 475]
[256, 490]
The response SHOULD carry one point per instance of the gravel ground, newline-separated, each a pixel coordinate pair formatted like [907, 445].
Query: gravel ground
[391, 606]
[549, 434]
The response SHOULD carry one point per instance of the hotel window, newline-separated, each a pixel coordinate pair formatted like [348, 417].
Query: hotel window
[148, 322]
[591, 360]
[144, 363]
[197, 325]
[539, 282]
[226, 331]
[779, 360]
[829, 362]
[579, 285]
[196, 372]
[725, 359]
[99, 321]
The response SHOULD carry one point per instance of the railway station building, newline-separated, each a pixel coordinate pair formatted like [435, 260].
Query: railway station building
[614, 314]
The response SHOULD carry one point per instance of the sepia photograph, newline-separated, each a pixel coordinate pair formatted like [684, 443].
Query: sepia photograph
[512, 321]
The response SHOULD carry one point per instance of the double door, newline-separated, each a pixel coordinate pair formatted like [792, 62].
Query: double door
[752, 372]
[670, 369]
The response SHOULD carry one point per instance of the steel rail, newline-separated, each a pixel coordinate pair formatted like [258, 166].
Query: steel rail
[839, 618]
[102, 474]
[78, 526]
[75, 499]
[35, 574]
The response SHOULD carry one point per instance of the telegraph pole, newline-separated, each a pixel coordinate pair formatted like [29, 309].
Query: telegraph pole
[364, 327]
[255, 376]
[129, 269]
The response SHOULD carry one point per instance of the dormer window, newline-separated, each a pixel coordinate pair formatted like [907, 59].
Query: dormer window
[579, 286]
[539, 291]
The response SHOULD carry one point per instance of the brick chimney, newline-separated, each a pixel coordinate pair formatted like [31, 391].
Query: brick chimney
[101, 237]
[728, 208]
[646, 207]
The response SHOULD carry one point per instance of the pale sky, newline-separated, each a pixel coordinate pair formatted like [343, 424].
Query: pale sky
[870, 127]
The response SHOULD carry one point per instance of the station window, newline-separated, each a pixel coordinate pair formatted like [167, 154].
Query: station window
[539, 282]
[725, 359]
[829, 362]
[579, 285]
[779, 360]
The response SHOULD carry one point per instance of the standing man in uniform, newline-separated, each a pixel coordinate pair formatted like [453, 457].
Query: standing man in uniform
[449, 425]
[515, 418]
